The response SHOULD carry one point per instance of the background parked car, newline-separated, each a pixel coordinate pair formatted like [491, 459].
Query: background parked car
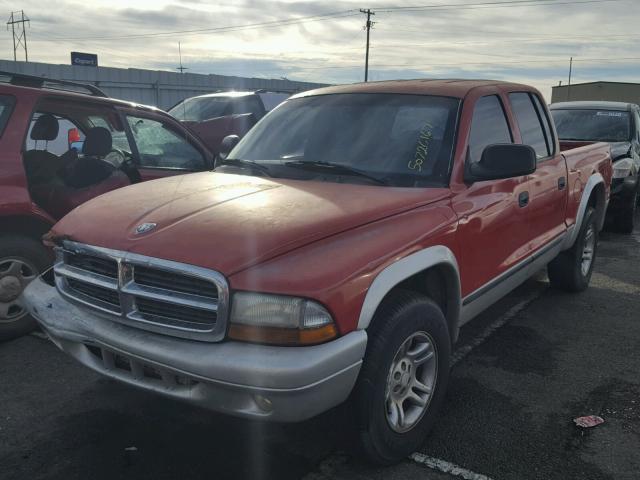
[580, 123]
[60, 148]
[214, 116]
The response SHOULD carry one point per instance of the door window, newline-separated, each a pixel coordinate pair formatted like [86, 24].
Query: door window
[488, 126]
[248, 104]
[546, 124]
[529, 123]
[161, 147]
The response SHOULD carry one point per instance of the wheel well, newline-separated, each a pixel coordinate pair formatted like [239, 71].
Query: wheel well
[440, 283]
[23, 225]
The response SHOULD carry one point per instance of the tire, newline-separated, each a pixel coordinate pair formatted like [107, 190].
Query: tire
[402, 317]
[625, 220]
[571, 270]
[22, 259]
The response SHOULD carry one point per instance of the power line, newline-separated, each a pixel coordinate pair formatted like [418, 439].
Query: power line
[486, 5]
[337, 15]
[496, 64]
[19, 37]
[230, 28]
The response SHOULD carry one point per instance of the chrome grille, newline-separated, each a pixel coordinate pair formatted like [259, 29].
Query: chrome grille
[153, 278]
[101, 266]
[94, 292]
[149, 293]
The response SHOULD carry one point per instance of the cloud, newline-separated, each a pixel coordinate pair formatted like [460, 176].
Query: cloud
[526, 44]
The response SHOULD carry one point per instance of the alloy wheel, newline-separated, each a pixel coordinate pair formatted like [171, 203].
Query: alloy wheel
[411, 382]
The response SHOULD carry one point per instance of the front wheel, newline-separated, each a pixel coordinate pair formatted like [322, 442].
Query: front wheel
[21, 260]
[404, 377]
[572, 269]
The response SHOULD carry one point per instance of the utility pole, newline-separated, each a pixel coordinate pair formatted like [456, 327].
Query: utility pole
[368, 26]
[181, 68]
[19, 37]
[569, 84]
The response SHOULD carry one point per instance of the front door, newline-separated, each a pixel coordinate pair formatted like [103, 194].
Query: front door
[493, 216]
[162, 149]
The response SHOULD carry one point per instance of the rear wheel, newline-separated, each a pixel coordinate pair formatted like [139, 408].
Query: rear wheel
[572, 269]
[403, 378]
[22, 259]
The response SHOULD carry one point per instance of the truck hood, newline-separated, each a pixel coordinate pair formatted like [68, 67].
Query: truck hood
[230, 222]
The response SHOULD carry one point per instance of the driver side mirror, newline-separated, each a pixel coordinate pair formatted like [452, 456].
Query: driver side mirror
[500, 161]
[228, 143]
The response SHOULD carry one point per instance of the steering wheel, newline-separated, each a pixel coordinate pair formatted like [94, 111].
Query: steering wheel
[115, 157]
[126, 165]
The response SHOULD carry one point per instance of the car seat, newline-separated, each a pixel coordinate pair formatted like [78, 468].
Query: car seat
[41, 165]
[86, 177]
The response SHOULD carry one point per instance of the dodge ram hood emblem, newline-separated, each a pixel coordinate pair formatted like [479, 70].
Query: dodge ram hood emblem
[145, 228]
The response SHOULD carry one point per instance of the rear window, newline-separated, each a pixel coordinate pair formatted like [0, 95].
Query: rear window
[200, 109]
[592, 125]
[529, 123]
[6, 107]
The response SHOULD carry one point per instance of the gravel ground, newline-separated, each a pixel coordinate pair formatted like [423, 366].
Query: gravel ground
[508, 413]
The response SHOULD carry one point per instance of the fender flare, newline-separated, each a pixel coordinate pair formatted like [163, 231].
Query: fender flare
[405, 268]
[594, 180]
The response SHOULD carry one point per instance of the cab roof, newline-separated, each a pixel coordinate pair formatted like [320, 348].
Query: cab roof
[458, 88]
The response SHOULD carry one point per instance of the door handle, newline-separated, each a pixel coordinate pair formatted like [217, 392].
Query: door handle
[562, 183]
[523, 199]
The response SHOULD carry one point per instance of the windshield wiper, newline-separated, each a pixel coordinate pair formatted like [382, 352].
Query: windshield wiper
[333, 168]
[248, 164]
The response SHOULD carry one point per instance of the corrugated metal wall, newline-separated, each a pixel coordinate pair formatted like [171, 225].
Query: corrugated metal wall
[607, 91]
[152, 87]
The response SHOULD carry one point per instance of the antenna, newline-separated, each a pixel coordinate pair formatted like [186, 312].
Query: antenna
[19, 36]
[181, 68]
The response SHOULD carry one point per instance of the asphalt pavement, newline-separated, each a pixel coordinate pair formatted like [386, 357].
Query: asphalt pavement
[524, 370]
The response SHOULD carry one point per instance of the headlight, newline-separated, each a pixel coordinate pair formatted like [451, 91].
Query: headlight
[622, 168]
[278, 319]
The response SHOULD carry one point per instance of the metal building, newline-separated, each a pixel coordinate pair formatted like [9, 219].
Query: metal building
[152, 87]
[607, 91]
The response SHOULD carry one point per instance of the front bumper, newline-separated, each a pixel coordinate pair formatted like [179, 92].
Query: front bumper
[274, 383]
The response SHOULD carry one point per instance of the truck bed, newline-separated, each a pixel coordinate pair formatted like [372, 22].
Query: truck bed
[583, 159]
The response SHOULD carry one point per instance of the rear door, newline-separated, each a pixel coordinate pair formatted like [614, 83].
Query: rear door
[548, 184]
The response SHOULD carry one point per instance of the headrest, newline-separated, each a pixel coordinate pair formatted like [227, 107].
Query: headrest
[45, 128]
[98, 142]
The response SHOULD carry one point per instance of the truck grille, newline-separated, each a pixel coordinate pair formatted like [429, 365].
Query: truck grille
[155, 278]
[149, 293]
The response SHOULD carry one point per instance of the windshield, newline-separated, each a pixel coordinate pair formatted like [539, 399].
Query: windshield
[199, 109]
[592, 125]
[404, 140]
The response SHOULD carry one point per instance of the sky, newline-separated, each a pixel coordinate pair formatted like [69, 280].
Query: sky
[528, 41]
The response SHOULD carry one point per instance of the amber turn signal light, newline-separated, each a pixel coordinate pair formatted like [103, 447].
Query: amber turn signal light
[282, 336]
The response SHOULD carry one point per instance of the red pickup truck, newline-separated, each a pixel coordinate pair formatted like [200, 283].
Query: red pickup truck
[61, 144]
[333, 254]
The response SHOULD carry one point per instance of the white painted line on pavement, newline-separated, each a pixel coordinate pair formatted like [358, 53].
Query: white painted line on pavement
[509, 315]
[447, 467]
